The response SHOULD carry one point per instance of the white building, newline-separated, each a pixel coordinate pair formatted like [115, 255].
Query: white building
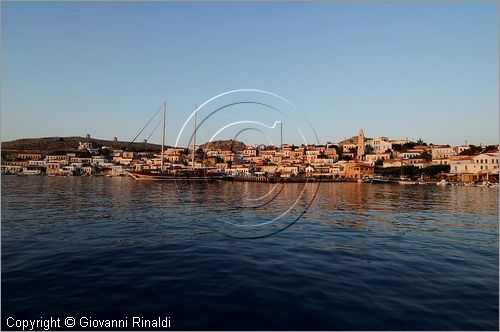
[486, 163]
[440, 161]
[84, 146]
[372, 158]
[346, 147]
[57, 158]
[460, 148]
[380, 144]
[400, 141]
[338, 169]
[438, 152]
[480, 164]
[249, 151]
[99, 160]
[409, 154]
[291, 169]
[462, 164]
[40, 163]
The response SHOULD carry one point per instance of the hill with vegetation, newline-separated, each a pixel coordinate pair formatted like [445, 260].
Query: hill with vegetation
[50, 145]
[47, 145]
[225, 145]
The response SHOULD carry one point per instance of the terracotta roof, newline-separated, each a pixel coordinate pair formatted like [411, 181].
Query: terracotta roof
[461, 157]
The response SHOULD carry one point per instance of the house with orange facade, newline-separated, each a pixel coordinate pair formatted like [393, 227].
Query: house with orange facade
[357, 170]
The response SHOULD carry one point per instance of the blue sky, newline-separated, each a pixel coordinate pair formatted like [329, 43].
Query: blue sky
[416, 70]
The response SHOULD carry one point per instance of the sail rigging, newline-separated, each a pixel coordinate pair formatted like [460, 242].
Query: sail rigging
[174, 172]
[143, 128]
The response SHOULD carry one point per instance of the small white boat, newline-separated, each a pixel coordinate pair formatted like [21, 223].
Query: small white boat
[380, 179]
[30, 171]
[442, 183]
[488, 184]
[26, 173]
[408, 182]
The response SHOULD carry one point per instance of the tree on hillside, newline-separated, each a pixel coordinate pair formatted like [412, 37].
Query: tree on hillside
[200, 154]
[105, 152]
[398, 171]
[338, 149]
[403, 147]
[471, 151]
[421, 142]
[83, 154]
[59, 153]
[425, 155]
[490, 148]
[434, 170]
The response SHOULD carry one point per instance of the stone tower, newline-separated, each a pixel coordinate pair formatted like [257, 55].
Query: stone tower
[361, 145]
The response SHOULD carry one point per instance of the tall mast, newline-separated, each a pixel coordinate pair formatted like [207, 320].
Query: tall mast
[163, 131]
[194, 138]
[281, 135]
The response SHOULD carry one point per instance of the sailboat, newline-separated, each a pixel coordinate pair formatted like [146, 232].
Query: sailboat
[173, 174]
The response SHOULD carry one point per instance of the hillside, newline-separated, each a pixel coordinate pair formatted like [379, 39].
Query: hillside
[47, 145]
[51, 144]
[225, 145]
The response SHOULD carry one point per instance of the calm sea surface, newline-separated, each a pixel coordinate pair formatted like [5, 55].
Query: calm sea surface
[362, 256]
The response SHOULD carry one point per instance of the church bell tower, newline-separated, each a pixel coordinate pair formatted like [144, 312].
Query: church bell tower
[361, 145]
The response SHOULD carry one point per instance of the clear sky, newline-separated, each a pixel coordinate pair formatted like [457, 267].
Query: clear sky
[416, 70]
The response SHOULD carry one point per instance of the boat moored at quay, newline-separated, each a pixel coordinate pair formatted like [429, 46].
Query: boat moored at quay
[175, 175]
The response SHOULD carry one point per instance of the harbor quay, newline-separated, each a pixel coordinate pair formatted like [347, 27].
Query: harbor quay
[357, 159]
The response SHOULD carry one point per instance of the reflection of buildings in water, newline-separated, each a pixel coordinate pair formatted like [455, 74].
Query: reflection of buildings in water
[342, 204]
[345, 196]
[397, 208]
[386, 208]
[230, 201]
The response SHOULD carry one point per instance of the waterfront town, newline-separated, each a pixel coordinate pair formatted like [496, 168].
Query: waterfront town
[359, 158]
